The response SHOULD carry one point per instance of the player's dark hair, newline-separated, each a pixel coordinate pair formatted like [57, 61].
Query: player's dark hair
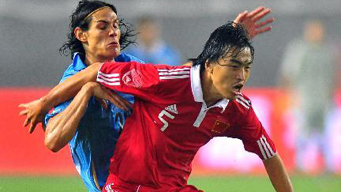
[224, 39]
[79, 19]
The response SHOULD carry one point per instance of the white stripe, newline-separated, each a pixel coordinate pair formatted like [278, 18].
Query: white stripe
[241, 102]
[269, 147]
[108, 79]
[108, 83]
[109, 75]
[201, 115]
[173, 73]
[175, 77]
[243, 99]
[261, 149]
[265, 148]
[138, 188]
[172, 70]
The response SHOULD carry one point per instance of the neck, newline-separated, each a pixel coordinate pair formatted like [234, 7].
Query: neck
[211, 96]
[89, 60]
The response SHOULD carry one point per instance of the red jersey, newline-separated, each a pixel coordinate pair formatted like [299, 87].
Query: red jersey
[170, 122]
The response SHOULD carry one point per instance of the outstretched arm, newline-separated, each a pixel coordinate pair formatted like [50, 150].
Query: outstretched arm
[36, 110]
[253, 22]
[277, 174]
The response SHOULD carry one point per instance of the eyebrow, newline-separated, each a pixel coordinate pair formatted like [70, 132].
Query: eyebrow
[239, 62]
[106, 21]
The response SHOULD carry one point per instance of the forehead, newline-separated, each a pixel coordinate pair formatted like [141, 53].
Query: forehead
[104, 14]
[244, 55]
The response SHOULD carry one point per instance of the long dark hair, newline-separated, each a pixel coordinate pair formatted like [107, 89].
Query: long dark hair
[222, 40]
[84, 8]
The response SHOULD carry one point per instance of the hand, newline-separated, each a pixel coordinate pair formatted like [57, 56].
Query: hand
[35, 112]
[103, 93]
[250, 21]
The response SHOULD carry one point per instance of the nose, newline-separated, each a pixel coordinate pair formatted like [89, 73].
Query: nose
[241, 75]
[113, 31]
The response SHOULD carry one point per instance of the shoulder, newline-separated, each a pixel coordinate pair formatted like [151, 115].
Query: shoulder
[241, 105]
[167, 72]
[68, 72]
[124, 57]
[243, 102]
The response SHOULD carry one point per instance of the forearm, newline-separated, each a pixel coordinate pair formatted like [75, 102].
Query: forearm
[278, 175]
[70, 87]
[61, 128]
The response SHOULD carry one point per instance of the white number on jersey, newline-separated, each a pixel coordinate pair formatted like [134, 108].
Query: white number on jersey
[165, 123]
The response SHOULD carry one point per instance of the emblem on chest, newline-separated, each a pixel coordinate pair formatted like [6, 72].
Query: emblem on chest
[219, 127]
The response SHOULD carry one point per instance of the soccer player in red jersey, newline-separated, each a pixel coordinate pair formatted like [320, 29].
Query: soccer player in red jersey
[178, 110]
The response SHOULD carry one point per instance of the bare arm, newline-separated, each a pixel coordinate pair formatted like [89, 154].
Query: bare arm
[36, 110]
[70, 87]
[61, 128]
[277, 174]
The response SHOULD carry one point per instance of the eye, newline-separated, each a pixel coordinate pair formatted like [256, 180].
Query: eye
[102, 26]
[234, 66]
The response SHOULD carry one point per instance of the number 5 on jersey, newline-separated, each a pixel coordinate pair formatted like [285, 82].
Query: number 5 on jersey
[165, 123]
[171, 108]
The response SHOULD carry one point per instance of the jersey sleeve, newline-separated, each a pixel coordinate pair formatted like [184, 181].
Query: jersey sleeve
[254, 136]
[134, 78]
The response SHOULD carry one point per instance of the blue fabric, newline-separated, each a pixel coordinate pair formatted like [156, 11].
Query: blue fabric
[98, 131]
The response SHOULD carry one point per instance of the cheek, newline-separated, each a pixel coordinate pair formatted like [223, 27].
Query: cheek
[247, 76]
[223, 82]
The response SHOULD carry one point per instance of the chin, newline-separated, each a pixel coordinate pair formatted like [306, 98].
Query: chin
[113, 54]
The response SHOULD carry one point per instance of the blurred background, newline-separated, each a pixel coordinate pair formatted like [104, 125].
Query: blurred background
[294, 86]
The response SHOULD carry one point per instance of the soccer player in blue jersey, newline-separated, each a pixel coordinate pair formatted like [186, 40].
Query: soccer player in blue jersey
[97, 35]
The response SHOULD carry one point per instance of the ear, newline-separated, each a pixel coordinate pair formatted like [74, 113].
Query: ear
[208, 66]
[81, 35]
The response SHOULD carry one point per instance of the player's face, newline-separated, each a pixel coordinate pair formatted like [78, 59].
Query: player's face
[231, 72]
[103, 35]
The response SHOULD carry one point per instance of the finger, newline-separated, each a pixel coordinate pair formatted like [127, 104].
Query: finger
[266, 22]
[128, 104]
[265, 29]
[122, 104]
[23, 112]
[27, 121]
[32, 127]
[256, 11]
[119, 102]
[240, 17]
[22, 105]
[261, 15]
[103, 103]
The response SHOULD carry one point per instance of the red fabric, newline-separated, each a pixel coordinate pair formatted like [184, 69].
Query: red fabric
[159, 141]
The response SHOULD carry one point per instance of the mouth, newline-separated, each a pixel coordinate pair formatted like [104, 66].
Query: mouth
[114, 43]
[237, 87]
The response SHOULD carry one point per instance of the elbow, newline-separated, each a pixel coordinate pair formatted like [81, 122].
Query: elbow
[52, 144]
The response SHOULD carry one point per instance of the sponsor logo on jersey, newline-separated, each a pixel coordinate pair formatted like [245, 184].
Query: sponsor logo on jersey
[133, 78]
[172, 108]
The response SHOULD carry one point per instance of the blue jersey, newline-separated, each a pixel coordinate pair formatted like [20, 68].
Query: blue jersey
[94, 142]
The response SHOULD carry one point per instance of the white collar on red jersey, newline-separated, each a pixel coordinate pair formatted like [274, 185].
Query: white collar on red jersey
[197, 89]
